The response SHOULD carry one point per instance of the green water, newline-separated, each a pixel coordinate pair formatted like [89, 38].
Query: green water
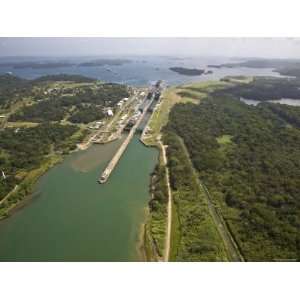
[73, 218]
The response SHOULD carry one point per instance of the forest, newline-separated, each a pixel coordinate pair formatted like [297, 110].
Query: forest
[287, 67]
[64, 77]
[12, 87]
[158, 207]
[56, 107]
[265, 88]
[249, 159]
[187, 71]
[195, 237]
[25, 150]
[86, 114]
[291, 114]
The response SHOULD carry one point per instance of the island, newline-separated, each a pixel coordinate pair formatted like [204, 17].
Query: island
[286, 67]
[187, 71]
[52, 64]
[37, 65]
[105, 62]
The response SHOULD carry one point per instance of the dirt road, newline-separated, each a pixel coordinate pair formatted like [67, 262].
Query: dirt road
[169, 209]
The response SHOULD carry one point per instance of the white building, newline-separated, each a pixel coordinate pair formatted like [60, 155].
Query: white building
[110, 113]
[120, 103]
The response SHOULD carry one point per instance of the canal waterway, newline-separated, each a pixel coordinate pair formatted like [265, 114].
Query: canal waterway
[73, 218]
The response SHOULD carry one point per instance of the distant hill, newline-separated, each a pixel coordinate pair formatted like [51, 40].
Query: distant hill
[287, 67]
[64, 64]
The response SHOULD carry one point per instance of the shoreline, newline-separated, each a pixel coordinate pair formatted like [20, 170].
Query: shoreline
[41, 171]
[28, 183]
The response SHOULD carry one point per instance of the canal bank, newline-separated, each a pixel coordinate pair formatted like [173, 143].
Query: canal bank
[72, 218]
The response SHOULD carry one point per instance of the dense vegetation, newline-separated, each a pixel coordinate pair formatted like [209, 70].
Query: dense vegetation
[187, 71]
[249, 158]
[194, 235]
[288, 113]
[64, 77]
[25, 150]
[158, 207]
[288, 67]
[86, 114]
[12, 87]
[48, 110]
[55, 108]
[266, 88]
[265, 63]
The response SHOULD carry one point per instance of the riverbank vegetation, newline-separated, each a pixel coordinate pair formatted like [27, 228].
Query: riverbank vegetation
[248, 158]
[158, 208]
[28, 150]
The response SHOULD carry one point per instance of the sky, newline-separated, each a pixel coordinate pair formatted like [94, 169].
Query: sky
[224, 47]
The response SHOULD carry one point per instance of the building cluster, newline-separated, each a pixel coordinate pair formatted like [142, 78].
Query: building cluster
[96, 125]
[108, 111]
[121, 102]
[52, 91]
